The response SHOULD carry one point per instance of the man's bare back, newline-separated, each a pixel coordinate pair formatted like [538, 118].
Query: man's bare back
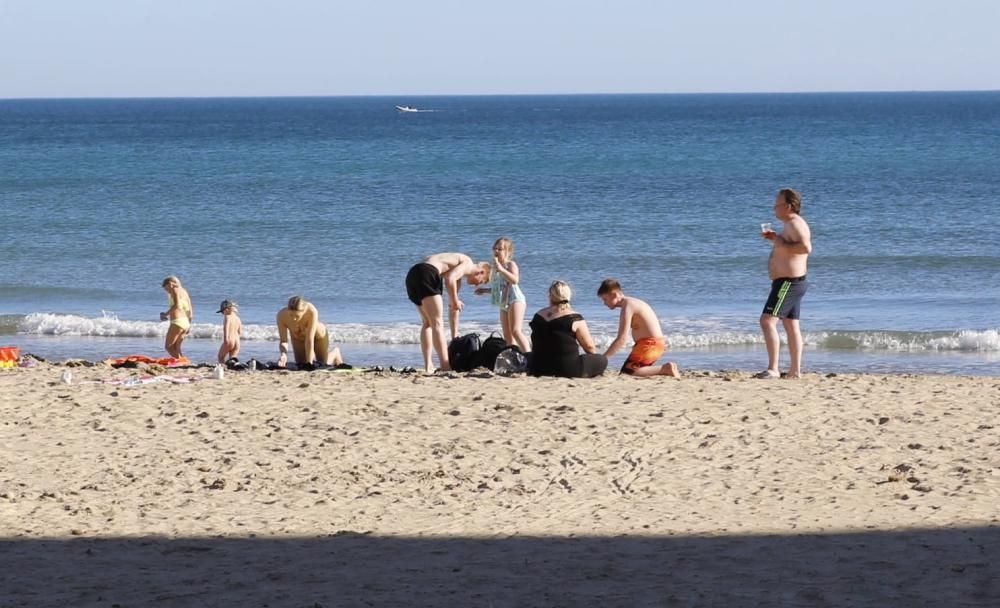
[449, 261]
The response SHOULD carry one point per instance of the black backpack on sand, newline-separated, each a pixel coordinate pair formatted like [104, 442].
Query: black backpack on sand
[462, 352]
[488, 351]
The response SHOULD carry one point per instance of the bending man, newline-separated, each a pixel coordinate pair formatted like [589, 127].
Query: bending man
[425, 284]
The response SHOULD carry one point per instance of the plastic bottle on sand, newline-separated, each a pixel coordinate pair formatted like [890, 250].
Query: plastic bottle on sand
[511, 361]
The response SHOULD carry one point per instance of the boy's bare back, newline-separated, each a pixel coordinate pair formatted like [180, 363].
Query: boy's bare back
[644, 322]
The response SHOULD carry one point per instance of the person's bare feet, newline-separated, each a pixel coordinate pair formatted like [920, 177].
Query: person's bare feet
[670, 369]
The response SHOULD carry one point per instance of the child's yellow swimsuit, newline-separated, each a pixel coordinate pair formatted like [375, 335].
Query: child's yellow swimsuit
[182, 321]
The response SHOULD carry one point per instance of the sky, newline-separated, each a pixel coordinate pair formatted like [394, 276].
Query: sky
[211, 48]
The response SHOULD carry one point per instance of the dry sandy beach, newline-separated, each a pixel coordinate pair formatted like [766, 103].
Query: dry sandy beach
[387, 489]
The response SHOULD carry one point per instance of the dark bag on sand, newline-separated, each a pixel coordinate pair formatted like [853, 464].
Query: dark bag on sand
[462, 352]
[491, 347]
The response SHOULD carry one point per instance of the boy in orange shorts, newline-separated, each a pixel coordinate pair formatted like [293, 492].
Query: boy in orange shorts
[638, 317]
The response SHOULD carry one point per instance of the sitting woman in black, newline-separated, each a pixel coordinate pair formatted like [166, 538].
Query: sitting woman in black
[556, 333]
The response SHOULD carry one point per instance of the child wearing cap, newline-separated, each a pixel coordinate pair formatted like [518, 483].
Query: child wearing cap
[231, 328]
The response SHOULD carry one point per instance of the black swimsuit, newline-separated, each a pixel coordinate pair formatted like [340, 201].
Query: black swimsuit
[555, 351]
[422, 281]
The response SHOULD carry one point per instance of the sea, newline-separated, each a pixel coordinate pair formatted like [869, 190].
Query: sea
[334, 198]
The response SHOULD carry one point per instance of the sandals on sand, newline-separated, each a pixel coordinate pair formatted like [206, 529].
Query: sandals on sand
[768, 375]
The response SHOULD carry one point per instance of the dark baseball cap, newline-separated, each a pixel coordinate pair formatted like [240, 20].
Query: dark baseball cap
[227, 304]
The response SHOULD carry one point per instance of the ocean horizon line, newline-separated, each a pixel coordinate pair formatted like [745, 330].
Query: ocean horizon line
[502, 95]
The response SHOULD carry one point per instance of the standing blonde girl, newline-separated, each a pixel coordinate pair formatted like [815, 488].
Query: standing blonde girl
[506, 294]
[180, 314]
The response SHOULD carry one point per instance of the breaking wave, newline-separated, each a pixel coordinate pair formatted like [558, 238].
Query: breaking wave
[109, 325]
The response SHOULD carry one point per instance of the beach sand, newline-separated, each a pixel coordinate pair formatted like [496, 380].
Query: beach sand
[352, 489]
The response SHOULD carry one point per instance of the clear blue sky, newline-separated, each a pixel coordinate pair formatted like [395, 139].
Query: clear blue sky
[145, 48]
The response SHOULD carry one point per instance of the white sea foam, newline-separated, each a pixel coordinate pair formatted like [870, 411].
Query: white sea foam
[109, 325]
[988, 340]
[902, 341]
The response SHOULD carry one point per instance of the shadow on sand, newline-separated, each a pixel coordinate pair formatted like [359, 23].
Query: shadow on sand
[943, 567]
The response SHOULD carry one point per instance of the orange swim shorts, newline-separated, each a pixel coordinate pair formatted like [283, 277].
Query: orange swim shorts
[645, 353]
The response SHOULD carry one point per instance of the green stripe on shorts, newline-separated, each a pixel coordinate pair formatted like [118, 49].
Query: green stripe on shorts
[781, 297]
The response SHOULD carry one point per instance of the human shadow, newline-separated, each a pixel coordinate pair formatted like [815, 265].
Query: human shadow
[914, 568]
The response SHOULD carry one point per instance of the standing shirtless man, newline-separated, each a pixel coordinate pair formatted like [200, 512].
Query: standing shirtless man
[425, 285]
[309, 338]
[786, 268]
[638, 317]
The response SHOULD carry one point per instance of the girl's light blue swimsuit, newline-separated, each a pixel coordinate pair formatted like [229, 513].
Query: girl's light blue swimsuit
[503, 293]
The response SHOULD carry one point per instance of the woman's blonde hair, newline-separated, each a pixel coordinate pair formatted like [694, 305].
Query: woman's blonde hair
[560, 294]
[170, 279]
[296, 303]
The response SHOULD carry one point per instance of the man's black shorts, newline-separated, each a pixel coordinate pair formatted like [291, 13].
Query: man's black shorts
[785, 299]
[423, 280]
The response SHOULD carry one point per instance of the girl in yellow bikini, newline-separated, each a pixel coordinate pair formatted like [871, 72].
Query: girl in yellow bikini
[180, 314]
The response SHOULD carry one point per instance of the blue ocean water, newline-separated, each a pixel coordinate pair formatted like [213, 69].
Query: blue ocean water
[335, 198]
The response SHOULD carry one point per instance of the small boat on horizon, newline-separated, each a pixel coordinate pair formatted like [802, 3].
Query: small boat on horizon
[407, 109]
